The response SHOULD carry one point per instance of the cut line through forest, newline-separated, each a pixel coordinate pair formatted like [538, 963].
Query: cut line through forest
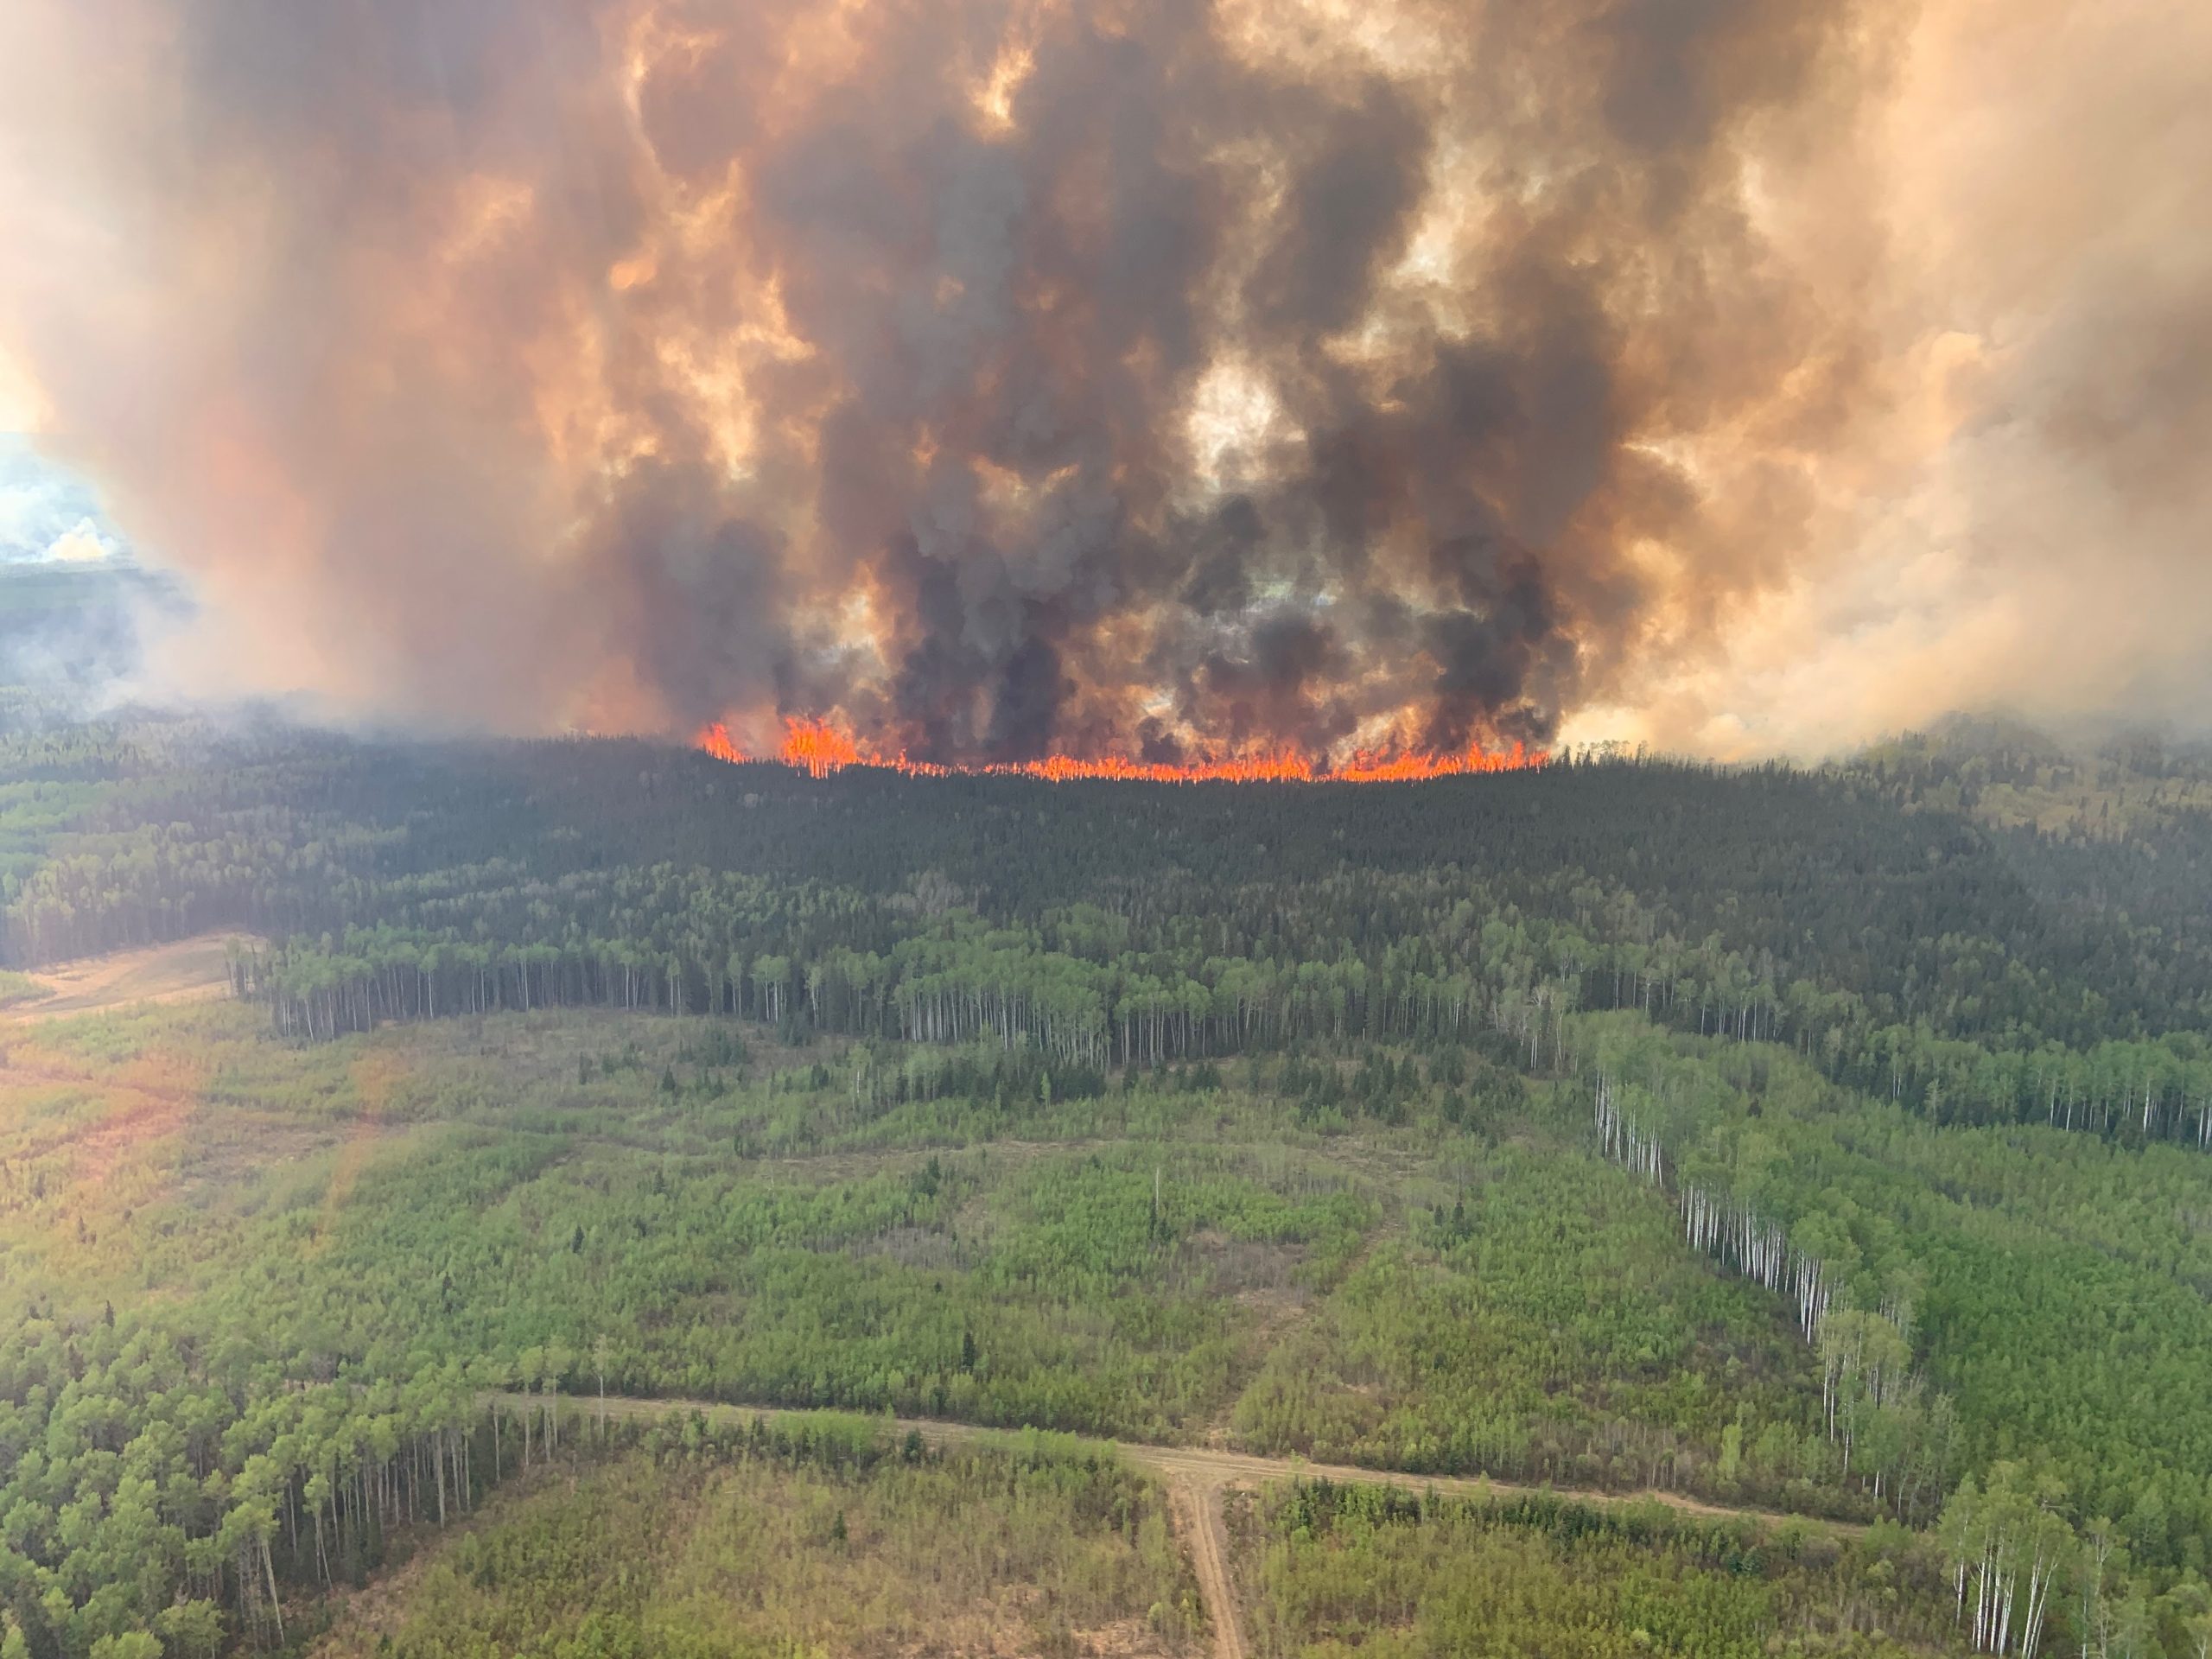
[1196, 1478]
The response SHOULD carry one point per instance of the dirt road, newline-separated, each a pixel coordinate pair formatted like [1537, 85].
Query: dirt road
[1196, 1478]
[1198, 1505]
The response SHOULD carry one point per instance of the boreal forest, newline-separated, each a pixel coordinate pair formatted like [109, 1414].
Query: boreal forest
[1105, 829]
[587, 1198]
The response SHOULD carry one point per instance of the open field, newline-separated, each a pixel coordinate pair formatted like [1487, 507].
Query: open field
[188, 970]
[1157, 1265]
[1200, 1481]
[840, 1541]
[1323, 1570]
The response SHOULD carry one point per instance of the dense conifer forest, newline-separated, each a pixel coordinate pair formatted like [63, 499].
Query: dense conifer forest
[1832, 1148]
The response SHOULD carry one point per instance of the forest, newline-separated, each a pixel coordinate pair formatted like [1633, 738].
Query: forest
[1827, 1147]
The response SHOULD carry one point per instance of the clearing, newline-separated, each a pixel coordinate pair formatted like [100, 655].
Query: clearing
[1196, 1478]
[190, 970]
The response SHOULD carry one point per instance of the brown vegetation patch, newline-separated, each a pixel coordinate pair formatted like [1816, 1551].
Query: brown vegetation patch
[150, 1118]
[913, 1247]
[187, 971]
[148, 1100]
[226, 1150]
[1243, 1268]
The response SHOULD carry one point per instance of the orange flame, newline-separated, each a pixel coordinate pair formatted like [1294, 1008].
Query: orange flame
[818, 749]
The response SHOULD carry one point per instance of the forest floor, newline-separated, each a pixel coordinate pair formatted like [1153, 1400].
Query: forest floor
[1198, 1478]
[190, 970]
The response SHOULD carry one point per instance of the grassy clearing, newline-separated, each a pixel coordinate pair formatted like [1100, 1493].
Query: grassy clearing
[693, 1548]
[1544, 1323]
[1327, 1571]
[17, 989]
[187, 971]
[723, 1218]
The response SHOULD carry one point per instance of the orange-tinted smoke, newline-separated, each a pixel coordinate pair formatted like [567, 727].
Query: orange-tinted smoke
[1128, 382]
[1017, 379]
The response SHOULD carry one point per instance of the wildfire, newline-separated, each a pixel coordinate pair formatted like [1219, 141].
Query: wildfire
[818, 748]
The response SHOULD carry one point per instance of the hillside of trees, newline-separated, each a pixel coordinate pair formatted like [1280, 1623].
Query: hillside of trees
[1834, 1142]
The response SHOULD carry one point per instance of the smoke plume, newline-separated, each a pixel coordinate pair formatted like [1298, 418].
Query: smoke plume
[998, 378]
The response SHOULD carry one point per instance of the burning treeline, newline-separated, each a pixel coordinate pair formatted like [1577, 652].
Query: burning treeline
[1281, 390]
[819, 749]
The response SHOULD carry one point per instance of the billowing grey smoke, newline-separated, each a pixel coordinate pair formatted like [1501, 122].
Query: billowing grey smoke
[998, 378]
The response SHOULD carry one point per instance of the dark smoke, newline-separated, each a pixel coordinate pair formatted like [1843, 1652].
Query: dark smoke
[647, 365]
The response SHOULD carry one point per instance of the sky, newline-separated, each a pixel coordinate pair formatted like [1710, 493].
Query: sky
[46, 513]
[996, 378]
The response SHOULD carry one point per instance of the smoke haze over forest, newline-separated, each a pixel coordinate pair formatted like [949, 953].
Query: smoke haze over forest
[997, 379]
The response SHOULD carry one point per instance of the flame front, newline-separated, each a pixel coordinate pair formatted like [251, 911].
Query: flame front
[818, 748]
